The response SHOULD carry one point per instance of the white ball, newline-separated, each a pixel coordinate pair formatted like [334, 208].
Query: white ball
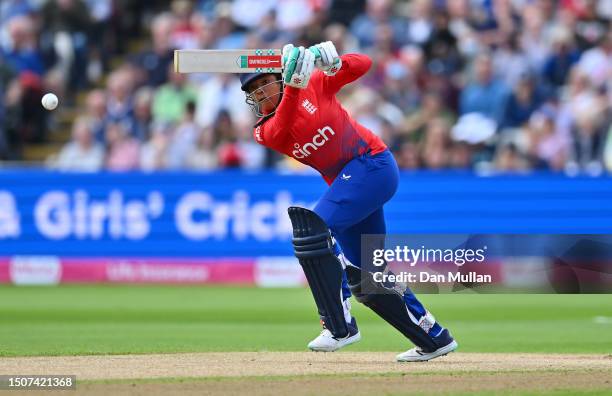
[49, 101]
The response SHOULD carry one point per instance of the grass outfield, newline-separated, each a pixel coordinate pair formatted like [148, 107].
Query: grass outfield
[74, 320]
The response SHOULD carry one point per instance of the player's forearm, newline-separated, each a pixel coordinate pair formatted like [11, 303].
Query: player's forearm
[353, 67]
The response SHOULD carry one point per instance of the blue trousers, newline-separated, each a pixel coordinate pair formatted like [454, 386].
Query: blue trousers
[353, 206]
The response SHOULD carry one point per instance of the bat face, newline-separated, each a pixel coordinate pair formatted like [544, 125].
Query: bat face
[228, 61]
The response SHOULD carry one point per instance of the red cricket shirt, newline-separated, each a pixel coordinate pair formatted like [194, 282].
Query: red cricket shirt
[311, 126]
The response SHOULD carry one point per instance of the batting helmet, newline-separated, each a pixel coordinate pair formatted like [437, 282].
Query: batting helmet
[246, 78]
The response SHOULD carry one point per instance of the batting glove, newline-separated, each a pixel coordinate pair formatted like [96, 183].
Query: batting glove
[298, 65]
[327, 58]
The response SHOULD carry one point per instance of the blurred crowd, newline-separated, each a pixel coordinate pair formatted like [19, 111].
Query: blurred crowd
[489, 85]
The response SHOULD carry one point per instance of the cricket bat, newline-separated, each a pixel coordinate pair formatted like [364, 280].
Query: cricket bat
[228, 61]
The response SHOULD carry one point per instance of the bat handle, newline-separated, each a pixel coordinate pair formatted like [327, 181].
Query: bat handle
[291, 64]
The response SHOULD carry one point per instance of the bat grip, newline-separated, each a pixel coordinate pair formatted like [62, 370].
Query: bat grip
[291, 65]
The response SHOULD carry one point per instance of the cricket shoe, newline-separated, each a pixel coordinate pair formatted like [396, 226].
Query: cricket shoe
[326, 342]
[447, 345]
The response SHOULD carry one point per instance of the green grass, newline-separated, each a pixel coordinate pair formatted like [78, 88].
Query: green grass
[146, 319]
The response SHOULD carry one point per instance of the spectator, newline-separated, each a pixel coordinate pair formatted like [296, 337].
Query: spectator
[597, 61]
[71, 16]
[250, 14]
[343, 12]
[511, 62]
[342, 39]
[486, 94]
[590, 27]
[154, 153]
[270, 33]
[431, 107]
[143, 116]
[523, 101]
[461, 155]
[294, 15]
[222, 93]
[23, 53]
[253, 154]
[408, 156]
[82, 153]
[420, 26]
[158, 59]
[364, 104]
[171, 99]
[435, 144]
[441, 47]
[230, 155]
[185, 137]
[576, 97]
[562, 58]
[10, 9]
[462, 28]
[586, 153]
[119, 107]
[546, 147]
[123, 150]
[533, 37]
[228, 36]
[205, 33]
[509, 159]
[96, 112]
[66, 25]
[400, 87]
[101, 31]
[202, 156]
[185, 30]
[25, 119]
[378, 12]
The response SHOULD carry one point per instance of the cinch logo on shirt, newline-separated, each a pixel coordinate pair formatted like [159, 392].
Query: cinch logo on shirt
[318, 140]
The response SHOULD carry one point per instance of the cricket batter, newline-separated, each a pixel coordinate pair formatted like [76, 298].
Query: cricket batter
[301, 118]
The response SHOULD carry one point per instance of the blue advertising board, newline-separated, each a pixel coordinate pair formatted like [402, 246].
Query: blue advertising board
[238, 214]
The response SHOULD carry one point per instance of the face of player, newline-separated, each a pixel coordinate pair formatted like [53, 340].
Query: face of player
[265, 93]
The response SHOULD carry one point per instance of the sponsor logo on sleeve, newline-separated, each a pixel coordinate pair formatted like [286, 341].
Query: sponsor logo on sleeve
[258, 136]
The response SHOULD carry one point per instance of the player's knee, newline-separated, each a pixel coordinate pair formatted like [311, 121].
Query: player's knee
[311, 236]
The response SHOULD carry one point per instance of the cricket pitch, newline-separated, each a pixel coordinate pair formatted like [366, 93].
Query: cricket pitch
[302, 373]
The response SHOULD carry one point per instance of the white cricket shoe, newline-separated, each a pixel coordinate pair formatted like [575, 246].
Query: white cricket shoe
[326, 342]
[418, 355]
